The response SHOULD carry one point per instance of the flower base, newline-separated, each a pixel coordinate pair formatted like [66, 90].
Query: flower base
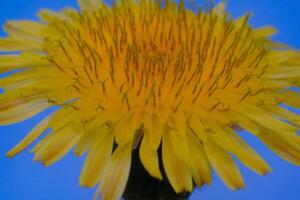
[142, 186]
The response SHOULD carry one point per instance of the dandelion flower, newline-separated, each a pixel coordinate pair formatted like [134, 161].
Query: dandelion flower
[150, 75]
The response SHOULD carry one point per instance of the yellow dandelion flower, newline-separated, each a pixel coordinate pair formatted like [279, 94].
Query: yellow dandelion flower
[150, 74]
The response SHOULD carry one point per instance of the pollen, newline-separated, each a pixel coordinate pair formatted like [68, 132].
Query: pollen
[150, 74]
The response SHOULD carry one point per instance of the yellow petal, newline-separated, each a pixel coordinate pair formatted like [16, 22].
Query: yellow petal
[22, 60]
[224, 165]
[54, 147]
[89, 5]
[178, 137]
[285, 72]
[263, 118]
[277, 57]
[176, 171]
[230, 141]
[155, 128]
[21, 111]
[90, 135]
[149, 157]
[33, 135]
[24, 29]
[5, 69]
[62, 117]
[265, 32]
[198, 128]
[286, 114]
[47, 15]
[96, 160]
[291, 98]
[13, 61]
[285, 144]
[13, 44]
[125, 130]
[246, 123]
[200, 165]
[181, 147]
[220, 8]
[116, 174]
[16, 81]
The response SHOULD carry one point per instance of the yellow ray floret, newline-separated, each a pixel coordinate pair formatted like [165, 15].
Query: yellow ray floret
[150, 75]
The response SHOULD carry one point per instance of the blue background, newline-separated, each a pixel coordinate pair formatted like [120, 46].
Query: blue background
[21, 179]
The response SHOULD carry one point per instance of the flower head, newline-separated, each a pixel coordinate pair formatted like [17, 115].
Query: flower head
[139, 73]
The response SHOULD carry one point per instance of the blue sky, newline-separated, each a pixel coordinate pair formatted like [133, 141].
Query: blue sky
[22, 179]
